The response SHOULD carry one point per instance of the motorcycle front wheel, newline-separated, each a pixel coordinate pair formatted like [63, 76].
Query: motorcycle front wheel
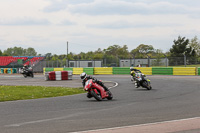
[24, 75]
[110, 97]
[96, 96]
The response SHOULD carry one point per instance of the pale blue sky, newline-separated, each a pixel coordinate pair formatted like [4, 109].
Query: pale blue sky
[87, 25]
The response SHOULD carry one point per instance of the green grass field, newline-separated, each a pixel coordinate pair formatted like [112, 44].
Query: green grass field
[11, 93]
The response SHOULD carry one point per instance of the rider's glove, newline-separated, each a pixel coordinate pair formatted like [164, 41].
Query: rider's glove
[94, 80]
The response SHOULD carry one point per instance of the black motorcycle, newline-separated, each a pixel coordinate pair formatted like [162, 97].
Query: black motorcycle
[27, 72]
[141, 80]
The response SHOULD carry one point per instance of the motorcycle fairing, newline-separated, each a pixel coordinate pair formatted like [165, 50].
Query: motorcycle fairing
[101, 89]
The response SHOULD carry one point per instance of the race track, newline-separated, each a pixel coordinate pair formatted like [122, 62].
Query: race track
[172, 98]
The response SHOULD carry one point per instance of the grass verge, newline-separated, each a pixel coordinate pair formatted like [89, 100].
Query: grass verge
[12, 93]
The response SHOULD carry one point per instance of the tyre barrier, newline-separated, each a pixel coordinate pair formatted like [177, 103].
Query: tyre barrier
[126, 70]
[162, 70]
[58, 75]
[8, 70]
[184, 71]
[145, 70]
[103, 70]
[77, 71]
[121, 70]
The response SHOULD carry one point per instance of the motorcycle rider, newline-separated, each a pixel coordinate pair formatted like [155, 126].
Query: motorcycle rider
[132, 73]
[86, 77]
[25, 68]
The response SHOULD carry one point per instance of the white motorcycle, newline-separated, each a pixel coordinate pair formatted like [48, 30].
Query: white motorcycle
[141, 80]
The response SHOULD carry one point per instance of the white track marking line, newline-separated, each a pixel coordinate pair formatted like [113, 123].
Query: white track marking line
[116, 84]
[38, 121]
[147, 124]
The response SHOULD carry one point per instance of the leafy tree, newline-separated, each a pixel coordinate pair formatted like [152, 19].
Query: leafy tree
[112, 50]
[89, 55]
[181, 47]
[142, 50]
[117, 51]
[19, 51]
[48, 56]
[30, 52]
[70, 56]
[62, 56]
[16, 51]
[1, 53]
[98, 54]
[111, 54]
[54, 57]
[82, 55]
[195, 45]
[123, 52]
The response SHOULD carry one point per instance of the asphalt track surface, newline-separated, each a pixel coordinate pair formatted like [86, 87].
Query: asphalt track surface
[170, 106]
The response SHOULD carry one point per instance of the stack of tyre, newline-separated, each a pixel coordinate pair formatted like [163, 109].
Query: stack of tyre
[58, 75]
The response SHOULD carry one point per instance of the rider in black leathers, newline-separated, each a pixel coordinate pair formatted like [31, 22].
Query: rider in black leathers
[25, 67]
[86, 77]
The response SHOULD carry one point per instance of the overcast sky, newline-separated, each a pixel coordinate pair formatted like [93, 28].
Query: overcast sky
[87, 25]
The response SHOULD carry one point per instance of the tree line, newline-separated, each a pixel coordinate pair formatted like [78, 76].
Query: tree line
[182, 46]
[18, 51]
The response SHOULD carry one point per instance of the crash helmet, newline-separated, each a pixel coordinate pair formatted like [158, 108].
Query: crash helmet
[83, 75]
[25, 66]
[131, 68]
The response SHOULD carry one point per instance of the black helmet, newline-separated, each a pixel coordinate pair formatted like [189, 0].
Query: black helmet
[83, 75]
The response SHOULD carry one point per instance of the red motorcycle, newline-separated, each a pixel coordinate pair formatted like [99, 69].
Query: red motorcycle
[97, 91]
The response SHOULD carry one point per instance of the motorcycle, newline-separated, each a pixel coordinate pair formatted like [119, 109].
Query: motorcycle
[27, 72]
[97, 91]
[141, 80]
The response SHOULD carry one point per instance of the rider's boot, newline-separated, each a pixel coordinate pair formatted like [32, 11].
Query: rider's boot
[136, 85]
[131, 78]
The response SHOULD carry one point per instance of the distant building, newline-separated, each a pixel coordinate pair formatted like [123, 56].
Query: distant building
[144, 62]
[85, 63]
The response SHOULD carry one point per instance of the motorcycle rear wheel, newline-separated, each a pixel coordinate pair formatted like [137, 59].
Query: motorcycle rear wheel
[32, 75]
[96, 96]
[147, 85]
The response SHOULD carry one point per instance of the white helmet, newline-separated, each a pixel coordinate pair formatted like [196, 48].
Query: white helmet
[83, 75]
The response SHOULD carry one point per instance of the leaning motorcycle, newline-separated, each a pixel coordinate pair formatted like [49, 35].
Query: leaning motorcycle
[27, 72]
[141, 80]
[97, 91]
